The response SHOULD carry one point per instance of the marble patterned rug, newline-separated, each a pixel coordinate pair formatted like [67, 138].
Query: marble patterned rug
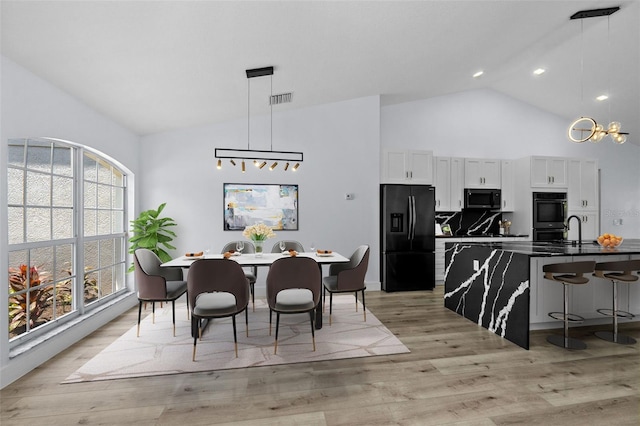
[156, 352]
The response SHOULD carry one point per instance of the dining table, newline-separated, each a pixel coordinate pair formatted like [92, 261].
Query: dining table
[266, 259]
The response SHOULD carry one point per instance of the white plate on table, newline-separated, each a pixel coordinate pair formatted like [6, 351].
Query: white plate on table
[324, 254]
[194, 257]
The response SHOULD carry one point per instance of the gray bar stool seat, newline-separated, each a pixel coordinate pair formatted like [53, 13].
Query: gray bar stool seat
[617, 272]
[571, 273]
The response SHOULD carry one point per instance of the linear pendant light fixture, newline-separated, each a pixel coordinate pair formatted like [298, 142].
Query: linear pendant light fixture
[585, 128]
[260, 158]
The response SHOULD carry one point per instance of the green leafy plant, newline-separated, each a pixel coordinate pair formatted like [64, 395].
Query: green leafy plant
[150, 231]
[25, 298]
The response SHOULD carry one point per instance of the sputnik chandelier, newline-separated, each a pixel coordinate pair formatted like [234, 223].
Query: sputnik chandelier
[260, 157]
[585, 128]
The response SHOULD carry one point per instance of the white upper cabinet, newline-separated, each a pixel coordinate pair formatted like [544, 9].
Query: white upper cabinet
[582, 184]
[442, 182]
[413, 167]
[548, 172]
[482, 173]
[508, 185]
[457, 184]
[449, 182]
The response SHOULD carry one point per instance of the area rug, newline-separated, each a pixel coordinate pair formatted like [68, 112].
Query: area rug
[156, 352]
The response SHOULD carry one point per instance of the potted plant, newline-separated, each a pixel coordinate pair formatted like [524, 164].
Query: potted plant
[151, 231]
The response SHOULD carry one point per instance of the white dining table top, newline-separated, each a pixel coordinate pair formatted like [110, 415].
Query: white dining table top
[250, 259]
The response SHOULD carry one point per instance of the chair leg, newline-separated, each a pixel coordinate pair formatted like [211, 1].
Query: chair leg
[270, 317]
[173, 315]
[356, 294]
[153, 312]
[364, 307]
[324, 297]
[188, 310]
[275, 349]
[235, 336]
[246, 320]
[330, 306]
[139, 315]
[313, 333]
[195, 336]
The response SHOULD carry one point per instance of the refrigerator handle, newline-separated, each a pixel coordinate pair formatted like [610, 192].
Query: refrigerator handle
[412, 206]
[409, 217]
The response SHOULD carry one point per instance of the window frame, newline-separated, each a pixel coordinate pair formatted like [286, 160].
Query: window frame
[78, 239]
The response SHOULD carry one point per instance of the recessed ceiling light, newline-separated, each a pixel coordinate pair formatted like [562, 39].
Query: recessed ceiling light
[602, 97]
[478, 74]
[539, 71]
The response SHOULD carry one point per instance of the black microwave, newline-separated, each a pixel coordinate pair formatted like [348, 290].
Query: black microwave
[482, 199]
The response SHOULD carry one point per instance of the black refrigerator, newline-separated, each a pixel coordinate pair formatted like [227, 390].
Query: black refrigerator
[407, 237]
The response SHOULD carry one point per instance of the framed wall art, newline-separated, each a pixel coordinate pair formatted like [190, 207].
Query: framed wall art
[275, 205]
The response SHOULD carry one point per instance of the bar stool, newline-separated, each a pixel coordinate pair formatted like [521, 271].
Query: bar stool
[617, 272]
[568, 274]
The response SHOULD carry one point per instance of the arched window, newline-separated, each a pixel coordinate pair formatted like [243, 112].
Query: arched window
[67, 233]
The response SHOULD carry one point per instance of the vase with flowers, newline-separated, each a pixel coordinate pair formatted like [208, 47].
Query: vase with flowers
[258, 234]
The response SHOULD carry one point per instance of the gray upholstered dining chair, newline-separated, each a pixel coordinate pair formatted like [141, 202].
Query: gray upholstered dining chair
[252, 275]
[293, 286]
[217, 288]
[347, 278]
[157, 284]
[288, 245]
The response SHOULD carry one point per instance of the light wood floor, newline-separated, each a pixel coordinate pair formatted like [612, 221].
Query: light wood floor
[456, 373]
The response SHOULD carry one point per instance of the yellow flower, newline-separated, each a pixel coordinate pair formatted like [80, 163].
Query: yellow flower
[258, 232]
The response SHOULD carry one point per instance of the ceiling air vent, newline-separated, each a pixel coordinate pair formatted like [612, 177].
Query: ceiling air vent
[281, 98]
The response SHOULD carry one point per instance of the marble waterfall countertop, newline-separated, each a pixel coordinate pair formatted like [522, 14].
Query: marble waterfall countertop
[543, 248]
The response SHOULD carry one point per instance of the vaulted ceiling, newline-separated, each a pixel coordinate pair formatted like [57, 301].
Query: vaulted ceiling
[154, 66]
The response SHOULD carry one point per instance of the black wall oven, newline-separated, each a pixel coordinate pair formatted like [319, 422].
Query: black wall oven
[549, 215]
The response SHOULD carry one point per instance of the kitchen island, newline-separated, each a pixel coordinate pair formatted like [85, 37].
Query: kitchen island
[500, 285]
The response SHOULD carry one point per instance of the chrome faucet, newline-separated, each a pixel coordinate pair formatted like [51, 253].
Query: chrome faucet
[566, 226]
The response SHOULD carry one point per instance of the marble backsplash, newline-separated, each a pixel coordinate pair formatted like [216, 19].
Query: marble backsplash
[471, 222]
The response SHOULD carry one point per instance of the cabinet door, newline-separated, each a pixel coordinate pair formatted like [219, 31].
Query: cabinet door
[421, 167]
[472, 173]
[590, 226]
[394, 167]
[574, 196]
[539, 175]
[442, 183]
[557, 169]
[457, 184]
[481, 173]
[582, 184]
[491, 172]
[589, 184]
[507, 177]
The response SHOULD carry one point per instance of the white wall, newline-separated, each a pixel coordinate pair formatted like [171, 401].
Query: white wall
[485, 123]
[32, 107]
[340, 142]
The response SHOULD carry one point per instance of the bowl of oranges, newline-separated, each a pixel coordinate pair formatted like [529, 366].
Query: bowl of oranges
[607, 240]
